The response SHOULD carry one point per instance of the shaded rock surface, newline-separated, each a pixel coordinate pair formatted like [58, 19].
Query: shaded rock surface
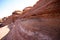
[34, 29]
[41, 22]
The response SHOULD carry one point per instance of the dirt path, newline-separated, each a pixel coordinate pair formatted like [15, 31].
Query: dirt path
[3, 31]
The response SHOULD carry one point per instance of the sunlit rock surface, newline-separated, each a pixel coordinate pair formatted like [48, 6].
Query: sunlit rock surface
[41, 22]
[15, 15]
[49, 7]
[4, 31]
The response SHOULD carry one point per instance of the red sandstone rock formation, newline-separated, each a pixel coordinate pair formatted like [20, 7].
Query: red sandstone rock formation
[1, 23]
[0, 20]
[42, 22]
[15, 15]
[50, 7]
[27, 9]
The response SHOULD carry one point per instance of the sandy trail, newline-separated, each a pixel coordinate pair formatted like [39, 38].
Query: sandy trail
[4, 31]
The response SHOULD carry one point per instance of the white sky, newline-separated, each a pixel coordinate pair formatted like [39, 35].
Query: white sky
[8, 6]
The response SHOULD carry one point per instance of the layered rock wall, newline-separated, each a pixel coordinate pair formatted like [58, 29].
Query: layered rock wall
[41, 22]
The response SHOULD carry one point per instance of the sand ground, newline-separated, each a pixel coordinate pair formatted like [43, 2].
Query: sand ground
[4, 31]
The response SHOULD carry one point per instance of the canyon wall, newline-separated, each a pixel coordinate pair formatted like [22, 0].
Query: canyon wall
[40, 22]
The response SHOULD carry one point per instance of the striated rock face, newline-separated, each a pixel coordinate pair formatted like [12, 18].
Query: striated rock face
[15, 15]
[41, 22]
[27, 9]
[42, 7]
[34, 29]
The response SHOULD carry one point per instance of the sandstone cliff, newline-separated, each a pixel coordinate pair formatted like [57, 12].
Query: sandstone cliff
[40, 22]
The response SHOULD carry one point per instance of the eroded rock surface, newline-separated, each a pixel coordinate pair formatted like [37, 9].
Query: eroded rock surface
[34, 29]
[41, 22]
